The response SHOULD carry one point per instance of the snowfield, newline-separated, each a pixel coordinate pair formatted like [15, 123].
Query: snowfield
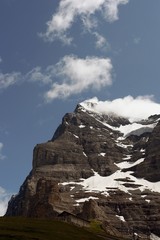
[116, 181]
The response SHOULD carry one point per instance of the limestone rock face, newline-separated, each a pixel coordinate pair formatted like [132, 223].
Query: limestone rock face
[150, 168]
[98, 167]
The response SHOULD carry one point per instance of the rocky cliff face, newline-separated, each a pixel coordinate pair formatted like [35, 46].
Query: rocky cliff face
[100, 167]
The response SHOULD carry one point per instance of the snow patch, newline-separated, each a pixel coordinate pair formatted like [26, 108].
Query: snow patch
[82, 126]
[76, 205]
[86, 199]
[115, 181]
[121, 218]
[119, 144]
[143, 196]
[136, 129]
[142, 150]
[75, 136]
[127, 164]
[154, 237]
[84, 154]
[127, 157]
[102, 154]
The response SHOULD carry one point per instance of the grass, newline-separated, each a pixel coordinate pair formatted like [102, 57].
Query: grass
[17, 228]
[95, 227]
[20, 228]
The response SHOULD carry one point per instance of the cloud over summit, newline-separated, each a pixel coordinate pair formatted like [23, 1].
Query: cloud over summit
[134, 109]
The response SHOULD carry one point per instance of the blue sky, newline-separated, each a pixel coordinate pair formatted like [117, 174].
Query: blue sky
[55, 54]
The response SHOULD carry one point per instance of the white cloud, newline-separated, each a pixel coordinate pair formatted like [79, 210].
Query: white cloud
[4, 198]
[69, 10]
[8, 79]
[132, 108]
[78, 75]
[101, 42]
[1, 60]
[111, 9]
[1, 155]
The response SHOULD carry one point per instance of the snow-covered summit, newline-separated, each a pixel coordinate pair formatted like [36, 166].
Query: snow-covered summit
[121, 117]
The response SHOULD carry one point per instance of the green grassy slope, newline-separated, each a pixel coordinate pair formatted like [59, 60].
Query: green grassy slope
[16, 228]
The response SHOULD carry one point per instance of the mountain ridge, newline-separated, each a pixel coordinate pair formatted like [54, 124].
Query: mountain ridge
[97, 166]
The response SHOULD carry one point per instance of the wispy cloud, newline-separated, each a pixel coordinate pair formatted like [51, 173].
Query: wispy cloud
[101, 42]
[69, 10]
[0, 59]
[136, 40]
[4, 198]
[9, 79]
[37, 75]
[134, 109]
[2, 157]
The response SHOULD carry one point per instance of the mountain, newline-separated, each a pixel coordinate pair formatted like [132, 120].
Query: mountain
[98, 166]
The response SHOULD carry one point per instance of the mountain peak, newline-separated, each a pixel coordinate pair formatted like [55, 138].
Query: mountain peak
[98, 165]
[132, 109]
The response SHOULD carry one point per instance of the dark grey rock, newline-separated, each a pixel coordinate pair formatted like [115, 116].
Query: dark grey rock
[81, 145]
